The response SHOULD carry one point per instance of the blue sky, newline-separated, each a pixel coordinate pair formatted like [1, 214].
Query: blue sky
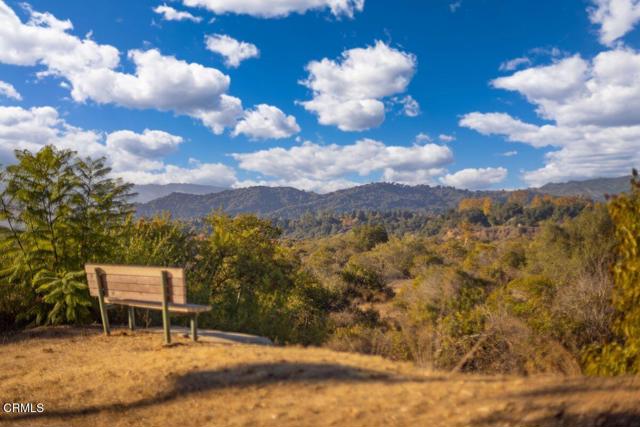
[326, 94]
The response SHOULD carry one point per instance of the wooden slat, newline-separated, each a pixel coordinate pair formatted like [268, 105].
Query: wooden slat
[137, 282]
[175, 308]
[145, 289]
[135, 270]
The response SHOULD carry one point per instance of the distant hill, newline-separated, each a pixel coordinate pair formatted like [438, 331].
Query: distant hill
[259, 200]
[593, 188]
[285, 202]
[149, 192]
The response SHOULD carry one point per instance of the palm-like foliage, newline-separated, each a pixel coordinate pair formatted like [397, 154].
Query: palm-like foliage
[66, 293]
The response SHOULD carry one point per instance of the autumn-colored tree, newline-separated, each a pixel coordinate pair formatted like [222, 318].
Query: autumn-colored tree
[622, 355]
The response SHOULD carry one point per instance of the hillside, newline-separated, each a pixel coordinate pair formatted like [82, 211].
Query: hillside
[595, 189]
[288, 203]
[130, 379]
[285, 202]
[260, 200]
[148, 192]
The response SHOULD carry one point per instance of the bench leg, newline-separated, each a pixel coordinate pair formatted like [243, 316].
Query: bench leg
[166, 325]
[166, 322]
[132, 318]
[194, 327]
[101, 303]
[104, 316]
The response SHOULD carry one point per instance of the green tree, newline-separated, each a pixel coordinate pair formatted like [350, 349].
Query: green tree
[367, 236]
[260, 287]
[60, 212]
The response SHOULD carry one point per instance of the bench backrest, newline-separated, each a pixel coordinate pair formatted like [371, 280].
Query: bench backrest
[137, 282]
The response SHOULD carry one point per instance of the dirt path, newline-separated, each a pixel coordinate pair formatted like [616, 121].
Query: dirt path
[85, 379]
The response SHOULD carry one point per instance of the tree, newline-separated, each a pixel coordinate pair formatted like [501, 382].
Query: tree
[367, 236]
[258, 286]
[60, 212]
[622, 355]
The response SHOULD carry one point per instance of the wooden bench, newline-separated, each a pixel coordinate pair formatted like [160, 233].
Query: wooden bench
[154, 288]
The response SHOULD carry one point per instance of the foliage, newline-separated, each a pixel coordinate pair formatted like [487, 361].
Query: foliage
[259, 286]
[622, 354]
[65, 292]
[60, 211]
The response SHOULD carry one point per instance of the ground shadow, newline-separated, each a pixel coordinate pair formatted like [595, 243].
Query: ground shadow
[529, 412]
[244, 375]
[559, 418]
[579, 386]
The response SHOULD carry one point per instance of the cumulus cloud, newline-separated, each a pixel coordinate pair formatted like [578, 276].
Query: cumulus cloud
[317, 164]
[8, 91]
[266, 122]
[446, 138]
[594, 109]
[201, 173]
[278, 8]
[234, 51]
[31, 129]
[170, 14]
[475, 179]
[136, 157]
[348, 93]
[89, 69]
[510, 153]
[615, 18]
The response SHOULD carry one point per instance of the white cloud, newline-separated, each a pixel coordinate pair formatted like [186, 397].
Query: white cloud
[615, 18]
[594, 107]
[475, 179]
[510, 153]
[129, 150]
[163, 83]
[278, 8]
[159, 82]
[423, 137]
[314, 163]
[446, 138]
[348, 93]
[410, 106]
[31, 129]
[548, 85]
[234, 51]
[515, 63]
[7, 90]
[135, 157]
[203, 173]
[170, 14]
[266, 122]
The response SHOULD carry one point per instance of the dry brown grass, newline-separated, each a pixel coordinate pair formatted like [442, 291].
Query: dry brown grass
[85, 379]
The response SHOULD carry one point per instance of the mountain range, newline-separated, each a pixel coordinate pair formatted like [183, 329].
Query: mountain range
[287, 202]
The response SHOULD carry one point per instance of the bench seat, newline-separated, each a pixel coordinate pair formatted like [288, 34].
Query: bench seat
[174, 308]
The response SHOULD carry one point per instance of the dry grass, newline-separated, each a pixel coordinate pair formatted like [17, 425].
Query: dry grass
[85, 379]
